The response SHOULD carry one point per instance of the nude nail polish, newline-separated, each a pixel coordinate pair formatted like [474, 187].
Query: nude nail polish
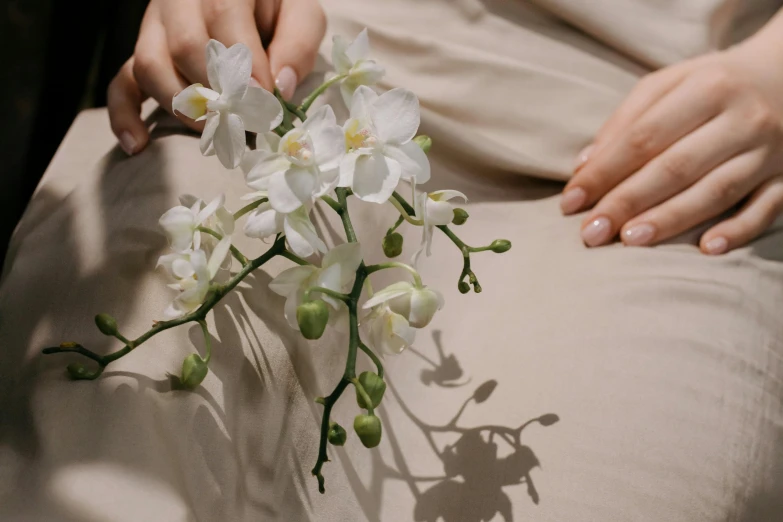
[128, 143]
[716, 246]
[573, 200]
[597, 232]
[286, 82]
[639, 235]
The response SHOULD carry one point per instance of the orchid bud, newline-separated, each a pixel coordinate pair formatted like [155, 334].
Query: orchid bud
[374, 386]
[194, 369]
[368, 428]
[499, 246]
[76, 371]
[337, 434]
[463, 287]
[106, 324]
[423, 141]
[392, 244]
[312, 318]
[460, 216]
[418, 306]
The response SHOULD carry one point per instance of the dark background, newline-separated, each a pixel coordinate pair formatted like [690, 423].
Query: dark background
[56, 58]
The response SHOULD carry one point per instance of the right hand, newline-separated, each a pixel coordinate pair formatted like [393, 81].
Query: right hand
[170, 53]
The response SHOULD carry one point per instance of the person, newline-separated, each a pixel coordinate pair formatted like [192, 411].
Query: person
[590, 380]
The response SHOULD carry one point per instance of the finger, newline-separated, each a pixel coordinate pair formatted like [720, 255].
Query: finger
[187, 37]
[152, 66]
[668, 174]
[234, 22]
[645, 93]
[749, 222]
[678, 113]
[123, 100]
[715, 193]
[300, 28]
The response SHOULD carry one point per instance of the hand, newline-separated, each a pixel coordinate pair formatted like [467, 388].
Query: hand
[690, 142]
[170, 55]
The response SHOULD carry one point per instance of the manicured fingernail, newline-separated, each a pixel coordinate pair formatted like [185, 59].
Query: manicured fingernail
[572, 200]
[583, 156]
[286, 82]
[639, 235]
[254, 83]
[716, 246]
[128, 143]
[597, 232]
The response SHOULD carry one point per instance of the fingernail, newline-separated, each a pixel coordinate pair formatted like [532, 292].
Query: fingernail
[254, 83]
[572, 200]
[597, 232]
[639, 235]
[128, 143]
[286, 82]
[716, 246]
[583, 156]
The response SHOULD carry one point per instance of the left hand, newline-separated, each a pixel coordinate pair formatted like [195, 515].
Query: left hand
[690, 142]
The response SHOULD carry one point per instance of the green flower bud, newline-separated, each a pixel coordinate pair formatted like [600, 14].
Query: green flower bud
[312, 318]
[194, 369]
[423, 141]
[368, 428]
[374, 386]
[463, 287]
[337, 434]
[76, 371]
[106, 324]
[499, 246]
[392, 244]
[460, 216]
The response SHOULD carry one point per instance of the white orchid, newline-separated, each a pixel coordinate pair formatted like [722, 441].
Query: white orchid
[299, 231]
[192, 274]
[231, 106]
[351, 60]
[388, 331]
[379, 137]
[181, 222]
[337, 273]
[434, 209]
[416, 304]
[304, 165]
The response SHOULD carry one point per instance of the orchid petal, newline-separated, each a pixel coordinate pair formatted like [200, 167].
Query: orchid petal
[191, 102]
[290, 190]
[375, 178]
[263, 222]
[301, 234]
[395, 115]
[290, 280]
[359, 49]
[233, 67]
[260, 110]
[413, 161]
[229, 140]
[208, 135]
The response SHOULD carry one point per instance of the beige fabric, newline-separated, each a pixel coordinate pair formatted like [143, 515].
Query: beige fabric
[664, 366]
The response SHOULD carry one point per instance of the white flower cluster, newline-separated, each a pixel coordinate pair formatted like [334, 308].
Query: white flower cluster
[371, 153]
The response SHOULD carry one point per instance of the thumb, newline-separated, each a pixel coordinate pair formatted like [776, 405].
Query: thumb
[300, 27]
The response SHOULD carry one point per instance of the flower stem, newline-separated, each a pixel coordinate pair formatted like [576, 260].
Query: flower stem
[363, 393]
[374, 358]
[405, 213]
[307, 102]
[207, 339]
[332, 203]
[215, 295]
[331, 293]
[396, 225]
[239, 256]
[249, 207]
[295, 258]
[395, 264]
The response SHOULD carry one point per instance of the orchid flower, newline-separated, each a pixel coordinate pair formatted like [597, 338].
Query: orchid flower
[416, 304]
[181, 222]
[435, 209]
[231, 106]
[192, 274]
[299, 231]
[304, 165]
[351, 60]
[337, 273]
[388, 331]
[379, 137]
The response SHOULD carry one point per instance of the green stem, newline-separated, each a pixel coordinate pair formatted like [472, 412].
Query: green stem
[395, 264]
[234, 250]
[342, 197]
[295, 258]
[363, 393]
[372, 356]
[331, 293]
[405, 213]
[207, 339]
[307, 102]
[249, 207]
[396, 225]
[332, 203]
[217, 292]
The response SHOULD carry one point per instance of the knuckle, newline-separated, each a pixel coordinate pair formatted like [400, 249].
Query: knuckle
[183, 46]
[721, 83]
[624, 206]
[641, 139]
[761, 118]
[218, 8]
[725, 191]
[144, 67]
[675, 167]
